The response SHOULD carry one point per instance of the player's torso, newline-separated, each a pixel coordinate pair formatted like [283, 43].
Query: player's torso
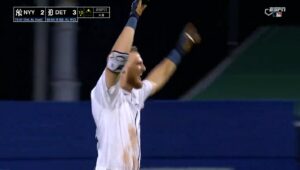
[119, 133]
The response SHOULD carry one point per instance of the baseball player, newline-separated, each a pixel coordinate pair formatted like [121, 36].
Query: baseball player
[120, 93]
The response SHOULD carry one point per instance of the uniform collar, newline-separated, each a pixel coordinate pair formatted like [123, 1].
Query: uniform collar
[129, 95]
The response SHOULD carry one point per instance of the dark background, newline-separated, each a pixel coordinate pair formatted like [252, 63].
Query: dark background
[156, 35]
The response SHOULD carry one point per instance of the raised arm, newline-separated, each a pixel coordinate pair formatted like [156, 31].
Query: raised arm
[166, 68]
[119, 53]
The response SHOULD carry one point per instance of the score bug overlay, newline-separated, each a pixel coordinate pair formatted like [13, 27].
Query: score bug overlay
[27, 14]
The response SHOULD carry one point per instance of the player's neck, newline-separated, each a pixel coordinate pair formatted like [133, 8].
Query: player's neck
[124, 85]
[127, 88]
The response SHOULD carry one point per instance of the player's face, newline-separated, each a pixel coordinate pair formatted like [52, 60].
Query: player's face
[136, 68]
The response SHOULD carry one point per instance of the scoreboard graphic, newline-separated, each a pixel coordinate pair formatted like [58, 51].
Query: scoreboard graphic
[59, 14]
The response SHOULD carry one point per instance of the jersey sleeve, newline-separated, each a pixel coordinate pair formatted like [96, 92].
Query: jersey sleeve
[145, 92]
[102, 94]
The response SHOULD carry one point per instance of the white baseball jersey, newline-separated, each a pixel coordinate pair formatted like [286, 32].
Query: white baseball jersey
[117, 116]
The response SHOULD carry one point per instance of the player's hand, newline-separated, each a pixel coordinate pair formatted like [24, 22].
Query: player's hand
[187, 39]
[137, 8]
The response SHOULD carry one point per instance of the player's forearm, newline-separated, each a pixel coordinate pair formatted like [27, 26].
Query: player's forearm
[124, 41]
[161, 74]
